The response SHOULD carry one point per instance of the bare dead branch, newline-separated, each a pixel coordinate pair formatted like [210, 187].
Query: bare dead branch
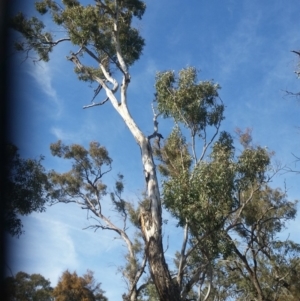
[155, 122]
[94, 104]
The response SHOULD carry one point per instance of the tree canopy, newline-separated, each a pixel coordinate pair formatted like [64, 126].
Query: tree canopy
[72, 287]
[24, 189]
[218, 191]
[25, 287]
[35, 287]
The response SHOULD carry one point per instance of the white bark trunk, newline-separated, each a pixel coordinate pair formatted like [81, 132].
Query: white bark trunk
[151, 220]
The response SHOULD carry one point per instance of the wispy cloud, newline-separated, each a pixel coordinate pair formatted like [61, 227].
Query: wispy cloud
[58, 244]
[43, 76]
[238, 47]
[59, 248]
[52, 244]
[86, 133]
[61, 134]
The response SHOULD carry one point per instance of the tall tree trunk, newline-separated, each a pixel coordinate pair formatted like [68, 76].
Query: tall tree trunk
[151, 218]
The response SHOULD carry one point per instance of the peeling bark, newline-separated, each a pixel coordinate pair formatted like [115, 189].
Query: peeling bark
[151, 220]
[167, 288]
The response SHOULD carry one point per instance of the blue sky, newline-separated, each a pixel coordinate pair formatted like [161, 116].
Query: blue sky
[243, 45]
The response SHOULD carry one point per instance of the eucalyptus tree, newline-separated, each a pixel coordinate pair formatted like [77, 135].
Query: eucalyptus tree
[27, 287]
[225, 203]
[70, 286]
[206, 185]
[25, 184]
[260, 266]
[104, 33]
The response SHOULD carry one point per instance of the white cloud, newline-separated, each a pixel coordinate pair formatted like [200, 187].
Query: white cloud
[84, 134]
[60, 250]
[61, 134]
[42, 74]
[55, 241]
[238, 47]
[46, 248]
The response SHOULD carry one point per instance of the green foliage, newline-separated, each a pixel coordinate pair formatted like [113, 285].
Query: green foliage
[277, 272]
[116, 198]
[25, 287]
[257, 252]
[253, 164]
[222, 197]
[174, 155]
[221, 194]
[36, 39]
[90, 25]
[202, 196]
[75, 288]
[35, 287]
[83, 185]
[149, 293]
[194, 194]
[84, 180]
[88, 73]
[268, 210]
[188, 102]
[134, 214]
[25, 187]
[205, 195]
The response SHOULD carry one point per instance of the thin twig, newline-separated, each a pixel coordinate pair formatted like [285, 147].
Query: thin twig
[96, 104]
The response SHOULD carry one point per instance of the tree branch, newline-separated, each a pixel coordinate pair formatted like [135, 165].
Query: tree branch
[155, 133]
[109, 92]
[94, 104]
[182, 256]
[138, 276]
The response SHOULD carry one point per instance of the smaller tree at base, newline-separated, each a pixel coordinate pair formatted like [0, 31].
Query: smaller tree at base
[75, 288]
[25, 287]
